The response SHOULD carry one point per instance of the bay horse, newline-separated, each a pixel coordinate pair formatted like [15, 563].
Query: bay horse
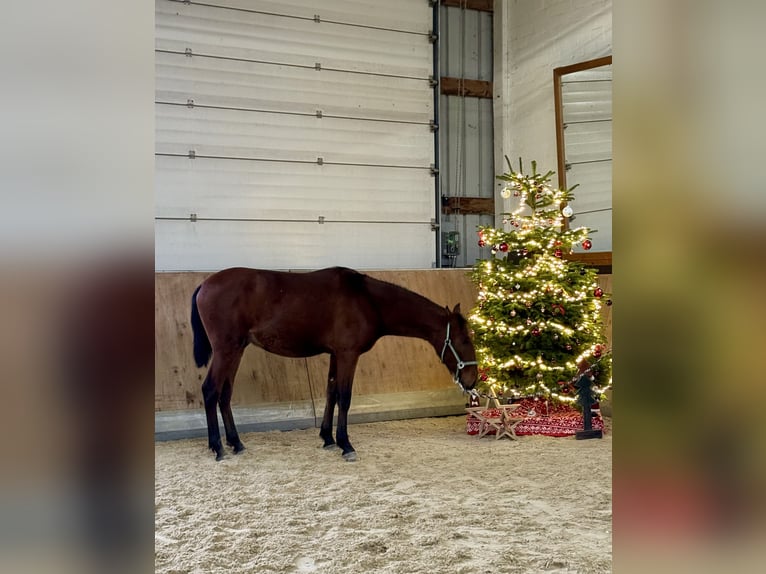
[336, 310]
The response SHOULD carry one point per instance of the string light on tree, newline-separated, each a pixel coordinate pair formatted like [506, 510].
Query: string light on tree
[538, 314]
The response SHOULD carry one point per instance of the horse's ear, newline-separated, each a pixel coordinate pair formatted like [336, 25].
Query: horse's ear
[456, 310]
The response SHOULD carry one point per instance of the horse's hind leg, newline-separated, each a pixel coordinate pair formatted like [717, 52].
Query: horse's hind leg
[211, 391]
[329, 408]
[222, 365]
[232, 437]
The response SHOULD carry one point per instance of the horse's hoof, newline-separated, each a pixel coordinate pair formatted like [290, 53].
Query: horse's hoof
[218, 456]
[349, 456]
[331, 446]
[238, 449]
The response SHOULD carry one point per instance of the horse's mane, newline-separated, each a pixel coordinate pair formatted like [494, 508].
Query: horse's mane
[383, 289]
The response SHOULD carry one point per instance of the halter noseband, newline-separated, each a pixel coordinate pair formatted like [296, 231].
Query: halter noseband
[460, 364]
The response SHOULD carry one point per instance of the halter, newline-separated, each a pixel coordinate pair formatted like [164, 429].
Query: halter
[460, 364]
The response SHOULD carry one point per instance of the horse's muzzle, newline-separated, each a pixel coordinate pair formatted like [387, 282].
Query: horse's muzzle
[466, 383]
[468, 374]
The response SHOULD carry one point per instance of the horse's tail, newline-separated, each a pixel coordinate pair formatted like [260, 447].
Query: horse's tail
[202, 348]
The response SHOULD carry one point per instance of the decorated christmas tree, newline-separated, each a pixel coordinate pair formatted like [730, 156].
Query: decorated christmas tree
[538, 314]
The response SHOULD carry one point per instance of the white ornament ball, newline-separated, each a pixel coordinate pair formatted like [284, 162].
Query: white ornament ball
[505, 193]
[567, 211]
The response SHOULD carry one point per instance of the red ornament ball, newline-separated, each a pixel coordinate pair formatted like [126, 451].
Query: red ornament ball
[482, 243]
[483, 376]
[558, 253]
[503, 247]
[598, 350]
[536, 332]
[598, 292]
[587, 244]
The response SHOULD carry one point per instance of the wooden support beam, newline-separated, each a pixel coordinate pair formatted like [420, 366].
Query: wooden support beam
[468, 205]
[601, 260]
[481, 5]
[463, 87]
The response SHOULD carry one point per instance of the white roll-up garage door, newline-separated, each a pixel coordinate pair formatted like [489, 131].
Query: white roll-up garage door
[294, 135]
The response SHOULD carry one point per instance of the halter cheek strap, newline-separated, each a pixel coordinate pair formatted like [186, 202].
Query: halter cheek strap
[460, 364]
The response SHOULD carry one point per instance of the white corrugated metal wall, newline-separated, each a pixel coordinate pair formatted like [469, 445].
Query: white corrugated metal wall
[466, 136]
[586, 98]
[293, 135]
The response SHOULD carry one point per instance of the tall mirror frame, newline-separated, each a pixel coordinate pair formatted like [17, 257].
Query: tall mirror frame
[583, 113]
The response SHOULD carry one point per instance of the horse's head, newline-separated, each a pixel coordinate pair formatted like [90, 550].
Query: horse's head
[458, 353]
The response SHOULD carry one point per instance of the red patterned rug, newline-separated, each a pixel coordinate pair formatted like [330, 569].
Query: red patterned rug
[543, 419]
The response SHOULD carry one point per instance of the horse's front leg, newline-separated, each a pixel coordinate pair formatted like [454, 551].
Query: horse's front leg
[346, 368]
[329, 408]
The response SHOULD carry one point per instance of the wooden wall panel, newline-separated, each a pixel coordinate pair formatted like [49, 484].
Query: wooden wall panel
[605, 282]
[176, 378]
[395, 364]
[469, 205]
[262, 377]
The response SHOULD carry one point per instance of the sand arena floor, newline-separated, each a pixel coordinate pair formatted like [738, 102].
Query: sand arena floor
[424, 497]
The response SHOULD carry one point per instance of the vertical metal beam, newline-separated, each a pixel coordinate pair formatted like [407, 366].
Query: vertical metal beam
[436, 31]
[503, 99]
